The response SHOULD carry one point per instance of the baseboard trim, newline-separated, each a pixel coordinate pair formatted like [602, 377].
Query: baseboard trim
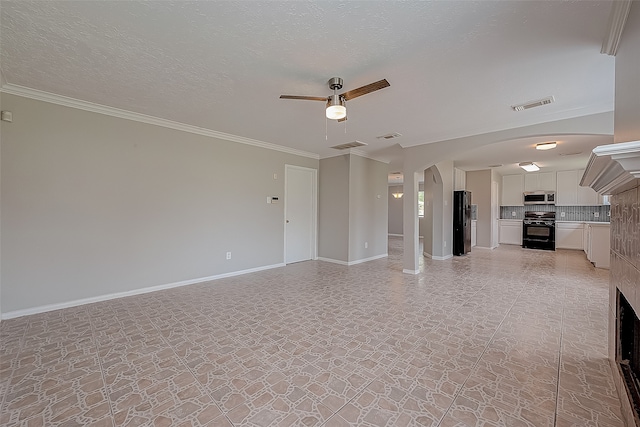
[349, 263]
[407, 271]
[485, 247]
[83, 301]
[437, 258]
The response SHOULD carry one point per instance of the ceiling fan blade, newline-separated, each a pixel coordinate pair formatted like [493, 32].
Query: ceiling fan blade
[371, 87]
[308, 98]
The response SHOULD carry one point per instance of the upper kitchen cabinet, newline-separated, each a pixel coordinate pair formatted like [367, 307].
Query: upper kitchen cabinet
[512, 189]
[570, 193]
[587, 195]
[567, 192]
[459, 179]
[540, 181]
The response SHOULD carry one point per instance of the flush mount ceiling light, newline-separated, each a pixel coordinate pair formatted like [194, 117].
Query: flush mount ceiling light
[546, 145]
[529, 166]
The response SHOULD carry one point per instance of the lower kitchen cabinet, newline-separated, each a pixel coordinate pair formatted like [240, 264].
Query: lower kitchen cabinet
[510, 232]
[597, 243]
[569, 235]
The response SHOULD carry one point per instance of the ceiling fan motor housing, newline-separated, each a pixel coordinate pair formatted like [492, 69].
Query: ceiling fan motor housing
[335, 83]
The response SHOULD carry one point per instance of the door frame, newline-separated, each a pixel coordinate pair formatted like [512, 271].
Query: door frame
[314, 209]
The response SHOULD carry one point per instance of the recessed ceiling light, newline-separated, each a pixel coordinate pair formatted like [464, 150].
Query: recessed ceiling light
[529, 166]
[546, 145]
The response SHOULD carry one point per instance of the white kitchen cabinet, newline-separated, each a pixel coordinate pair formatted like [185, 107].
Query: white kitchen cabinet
[459, 179]
[570, 193]
[510, 231]
[547, 181]
[474, 232]
[598, 243]
[540, 181]
[586, 195]
[512, 189]
[569, 235]
[567, 188]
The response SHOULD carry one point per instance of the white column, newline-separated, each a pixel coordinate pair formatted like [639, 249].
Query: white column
[410, 222]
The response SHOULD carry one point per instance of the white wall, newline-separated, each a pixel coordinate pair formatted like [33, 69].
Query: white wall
[368, 208]
[479, 183]
[627, 84]
[94, 205]
[395, 210]
[333, 215]
[353, 209]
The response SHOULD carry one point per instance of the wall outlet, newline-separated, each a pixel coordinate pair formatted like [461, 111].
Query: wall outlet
[228, 255]
[562, 214]
[366, 245]
[275, 176]
[596, 214]
[513, 213]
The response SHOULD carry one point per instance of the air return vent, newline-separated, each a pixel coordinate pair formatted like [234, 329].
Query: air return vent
[531, 104]
[353, 144]
[390, 136]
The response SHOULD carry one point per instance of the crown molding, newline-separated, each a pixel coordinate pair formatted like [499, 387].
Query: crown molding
[143, 118]
[613, 168]
[617, 18]
[355, 152]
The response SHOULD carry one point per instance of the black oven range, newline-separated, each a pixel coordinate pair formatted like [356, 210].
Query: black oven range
[539, 230]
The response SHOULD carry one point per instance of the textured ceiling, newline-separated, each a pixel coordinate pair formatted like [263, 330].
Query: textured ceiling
[455, 67]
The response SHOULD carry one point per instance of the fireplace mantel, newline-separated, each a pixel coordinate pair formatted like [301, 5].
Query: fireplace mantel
[613, 168]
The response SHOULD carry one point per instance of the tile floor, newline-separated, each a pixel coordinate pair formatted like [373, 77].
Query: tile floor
[509, 337]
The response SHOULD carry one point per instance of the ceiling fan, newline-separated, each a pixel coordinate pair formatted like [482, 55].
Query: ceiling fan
[336, 103]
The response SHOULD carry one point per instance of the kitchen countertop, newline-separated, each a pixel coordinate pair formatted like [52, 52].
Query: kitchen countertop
[587, 222]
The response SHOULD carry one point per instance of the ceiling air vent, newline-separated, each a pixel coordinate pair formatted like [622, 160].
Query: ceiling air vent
[531, 104]
[390, 136]
[353, 144]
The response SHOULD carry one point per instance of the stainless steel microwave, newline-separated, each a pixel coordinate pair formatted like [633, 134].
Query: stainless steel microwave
[540, 198]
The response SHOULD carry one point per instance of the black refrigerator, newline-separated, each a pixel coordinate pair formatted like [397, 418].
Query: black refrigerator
[461, 222]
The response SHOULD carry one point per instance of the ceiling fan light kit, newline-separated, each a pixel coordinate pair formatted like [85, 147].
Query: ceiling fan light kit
[336, 108]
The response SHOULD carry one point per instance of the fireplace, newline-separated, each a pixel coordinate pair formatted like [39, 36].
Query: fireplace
[628, 352]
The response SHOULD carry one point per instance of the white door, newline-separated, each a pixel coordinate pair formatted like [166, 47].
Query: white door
[300, 214]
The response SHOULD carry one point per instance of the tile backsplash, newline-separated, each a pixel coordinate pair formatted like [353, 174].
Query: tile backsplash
[571, 213]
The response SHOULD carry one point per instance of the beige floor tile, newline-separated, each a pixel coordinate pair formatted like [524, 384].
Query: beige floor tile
[509, 337]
